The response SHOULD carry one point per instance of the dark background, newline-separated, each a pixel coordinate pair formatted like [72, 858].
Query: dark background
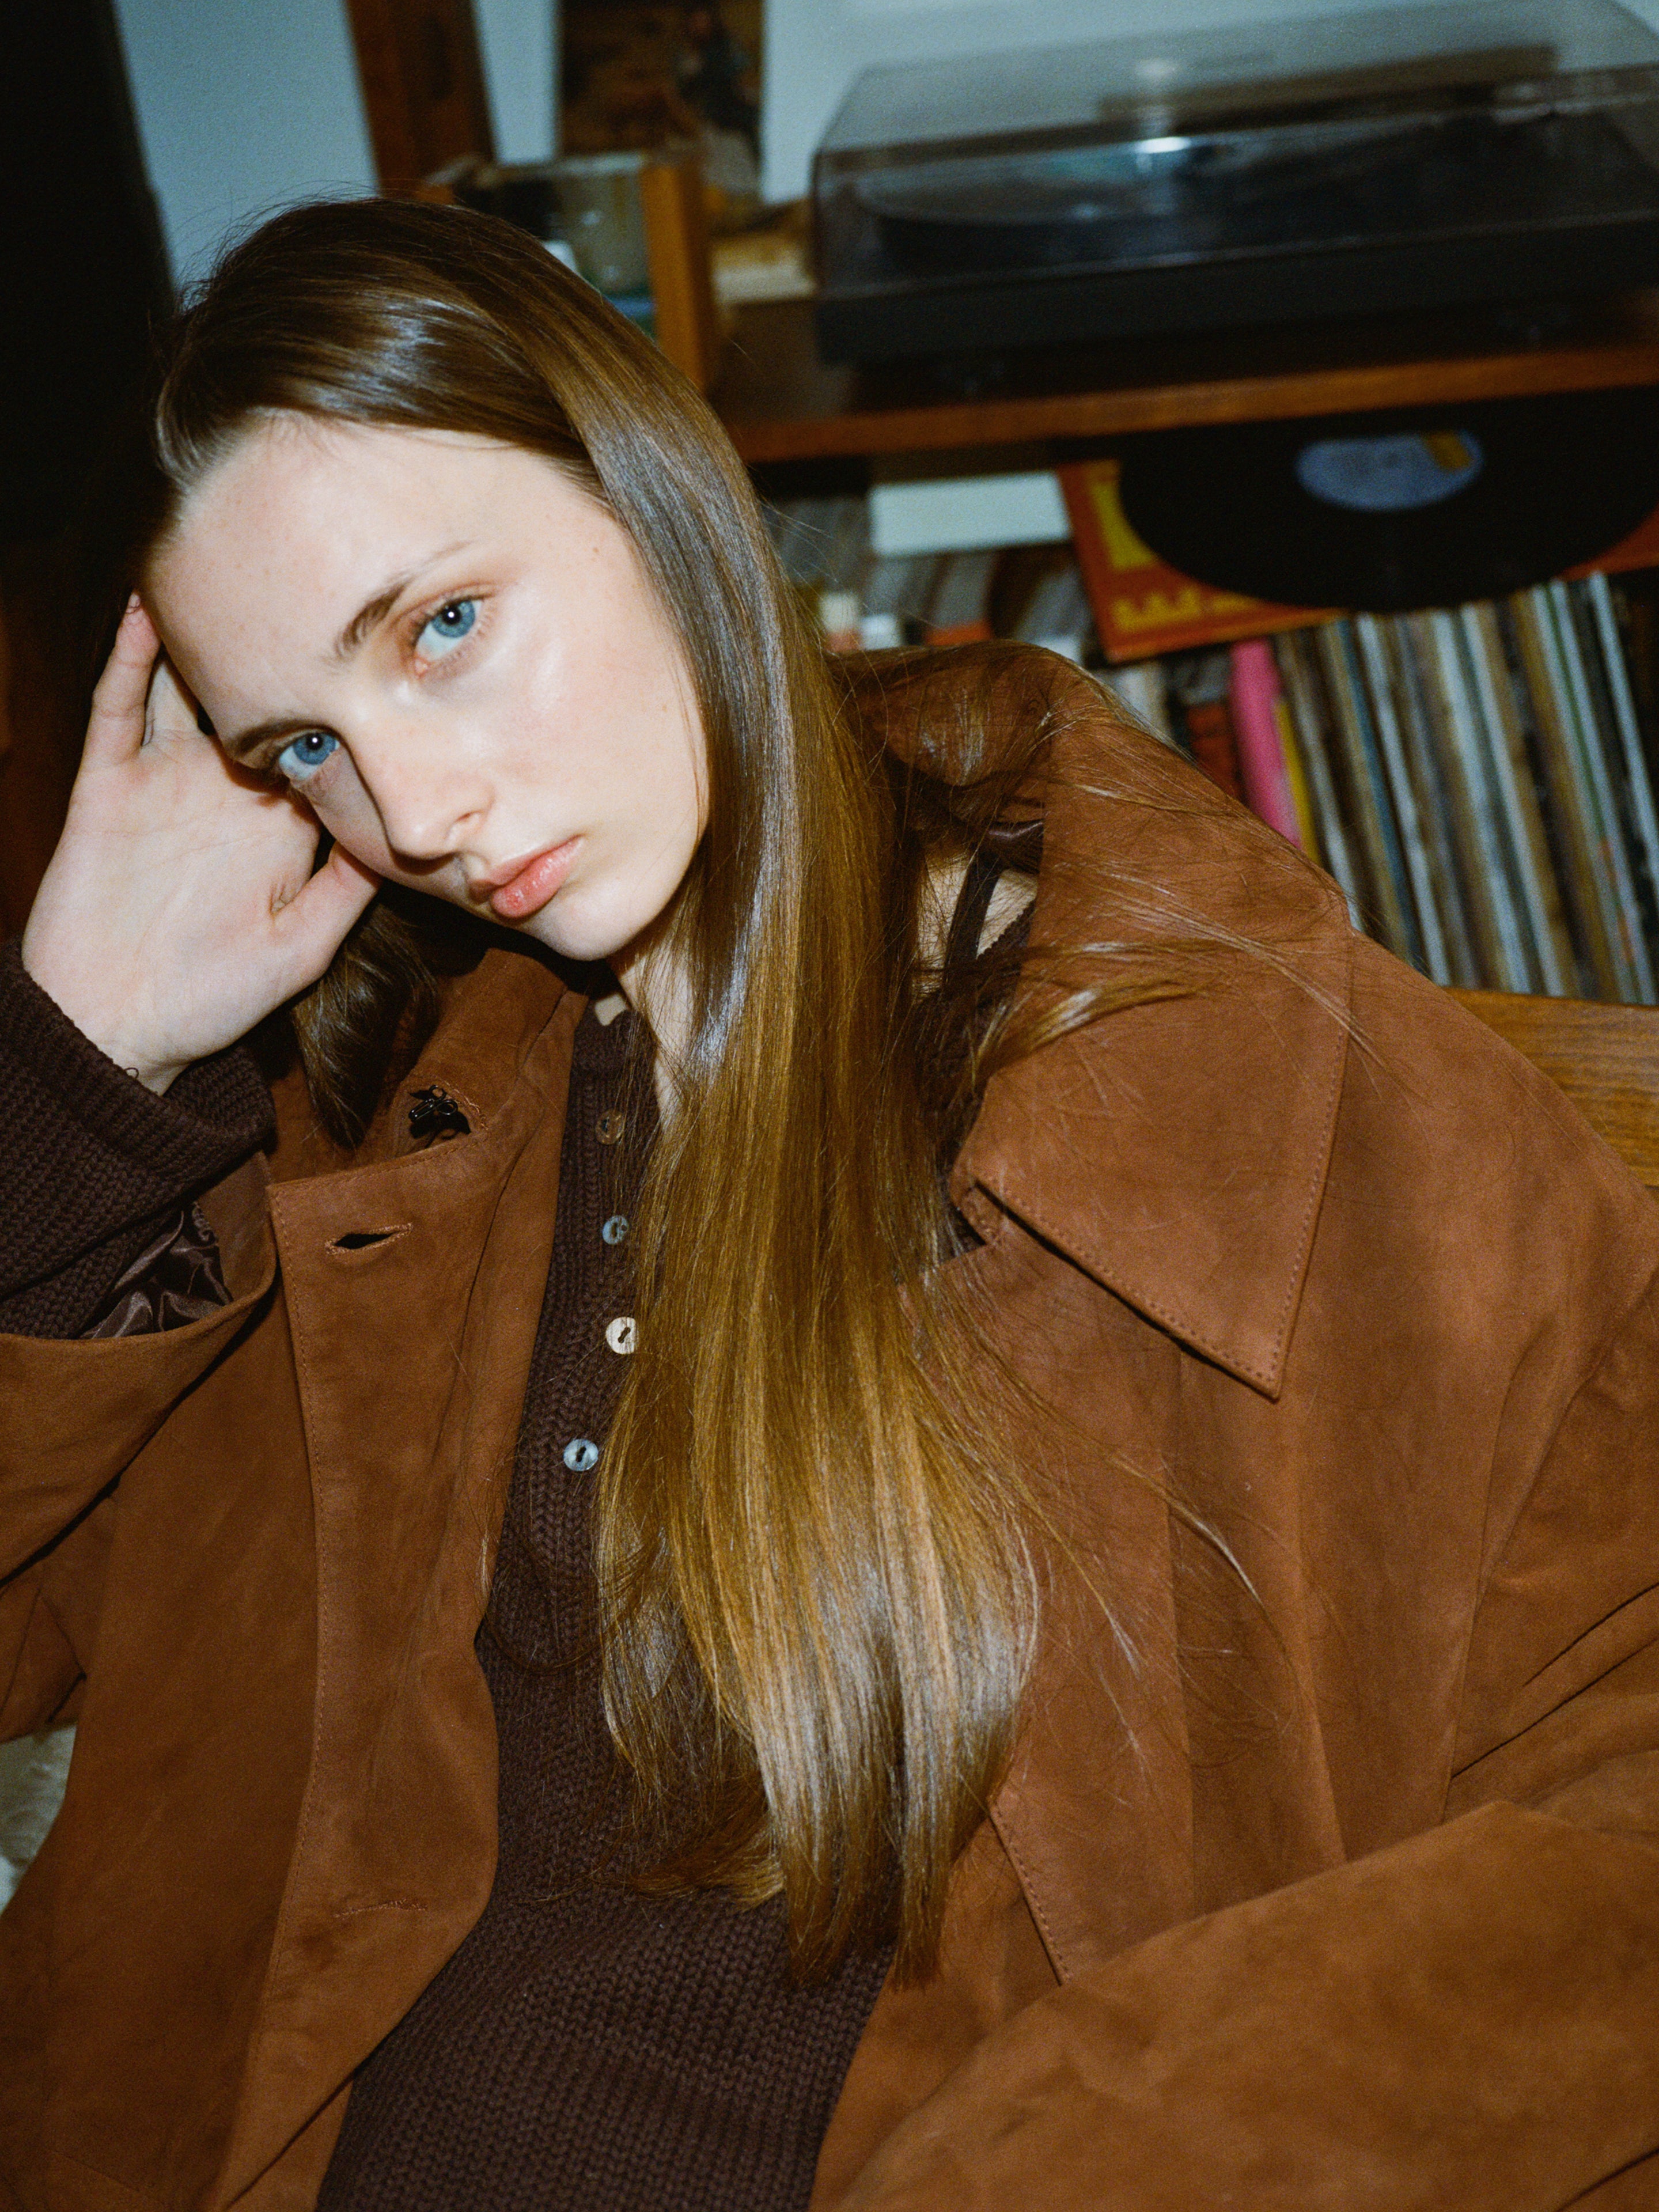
[84, 278]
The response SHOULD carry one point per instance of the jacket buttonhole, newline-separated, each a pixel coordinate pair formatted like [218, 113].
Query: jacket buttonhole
[353, 1241]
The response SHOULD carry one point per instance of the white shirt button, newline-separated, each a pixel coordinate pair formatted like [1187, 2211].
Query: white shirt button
[619, 1333]
[616, 1229]
[580, 1455]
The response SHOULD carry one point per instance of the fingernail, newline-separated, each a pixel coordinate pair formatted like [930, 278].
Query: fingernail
[134, 603]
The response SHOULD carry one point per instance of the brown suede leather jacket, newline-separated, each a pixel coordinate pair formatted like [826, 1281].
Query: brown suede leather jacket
[1341, 1894]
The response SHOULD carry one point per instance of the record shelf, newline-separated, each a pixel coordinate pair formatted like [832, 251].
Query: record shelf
[781, 405]
[1479, 779]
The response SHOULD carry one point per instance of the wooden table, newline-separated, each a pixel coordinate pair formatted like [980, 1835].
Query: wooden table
[780, 404]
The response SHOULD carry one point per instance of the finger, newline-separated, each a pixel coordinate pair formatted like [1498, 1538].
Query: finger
[170, 712]
[314, 922]
[115, 729]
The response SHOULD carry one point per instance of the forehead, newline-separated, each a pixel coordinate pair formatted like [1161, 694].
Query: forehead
[305, 520]
[292, 480]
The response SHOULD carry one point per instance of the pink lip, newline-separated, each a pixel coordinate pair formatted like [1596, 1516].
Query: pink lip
[524, 887]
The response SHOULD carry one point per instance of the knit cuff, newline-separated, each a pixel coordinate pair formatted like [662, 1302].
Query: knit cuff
[90, 1155]
[216, 1113]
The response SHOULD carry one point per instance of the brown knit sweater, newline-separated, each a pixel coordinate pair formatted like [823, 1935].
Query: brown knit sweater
[587, 2046]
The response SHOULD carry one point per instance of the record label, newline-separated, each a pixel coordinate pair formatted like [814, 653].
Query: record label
[1390, 475]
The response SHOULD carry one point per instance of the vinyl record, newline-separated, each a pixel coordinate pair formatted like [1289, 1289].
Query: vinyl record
[1420, 508]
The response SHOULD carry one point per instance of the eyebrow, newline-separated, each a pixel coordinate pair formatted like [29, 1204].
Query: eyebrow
[372, 612]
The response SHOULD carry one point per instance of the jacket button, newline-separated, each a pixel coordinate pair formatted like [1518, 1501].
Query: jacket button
[616, 1229]
[581, 1454]
[432, 1113]
[610, 1126]
[619, 1333]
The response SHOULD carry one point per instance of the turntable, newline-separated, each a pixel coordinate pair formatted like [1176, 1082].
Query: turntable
[1398, 158]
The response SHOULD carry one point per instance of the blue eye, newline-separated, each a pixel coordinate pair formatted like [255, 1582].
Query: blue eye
[442, 632]
[301, 756]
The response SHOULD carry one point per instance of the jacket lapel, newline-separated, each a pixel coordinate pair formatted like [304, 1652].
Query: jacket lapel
[414, 1286]
[1178, 1149]
[1173, 1154]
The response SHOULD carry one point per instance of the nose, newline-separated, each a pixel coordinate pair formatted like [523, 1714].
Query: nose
[429, 795]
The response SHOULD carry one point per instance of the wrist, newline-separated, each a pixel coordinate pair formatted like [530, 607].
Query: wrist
[161, 1080]
[104, 1035]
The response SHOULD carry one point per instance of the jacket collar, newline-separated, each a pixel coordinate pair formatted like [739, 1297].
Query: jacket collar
[1178, 1149]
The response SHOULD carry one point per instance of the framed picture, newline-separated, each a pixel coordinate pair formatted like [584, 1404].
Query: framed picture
[642, 75]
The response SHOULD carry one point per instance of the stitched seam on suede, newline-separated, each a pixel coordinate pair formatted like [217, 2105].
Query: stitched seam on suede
[282, 1932]
[1183, 1378]
[1268, 1377]
[1028, 1888]
[1034, 1903]
[1156, 1310]
[35, 1604]
[1604, 1352]
[1320, 1175]
[85, 2166]
[998, 1230]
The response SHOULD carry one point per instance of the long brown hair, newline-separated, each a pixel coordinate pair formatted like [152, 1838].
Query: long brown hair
[812, 1554]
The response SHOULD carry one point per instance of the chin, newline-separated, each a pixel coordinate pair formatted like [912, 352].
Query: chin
[573, 934]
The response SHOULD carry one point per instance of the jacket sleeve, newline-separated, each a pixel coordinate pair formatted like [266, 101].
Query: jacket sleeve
[97, 1174]
[101, 1238]
[1467, 2019]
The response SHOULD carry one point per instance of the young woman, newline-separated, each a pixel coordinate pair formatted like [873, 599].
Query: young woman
[885, 1485]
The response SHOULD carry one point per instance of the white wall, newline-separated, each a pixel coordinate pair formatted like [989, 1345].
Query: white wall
[244, 104]
[521, 56]
[815, 48]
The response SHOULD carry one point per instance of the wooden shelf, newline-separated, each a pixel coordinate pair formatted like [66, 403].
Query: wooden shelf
[780, 404]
